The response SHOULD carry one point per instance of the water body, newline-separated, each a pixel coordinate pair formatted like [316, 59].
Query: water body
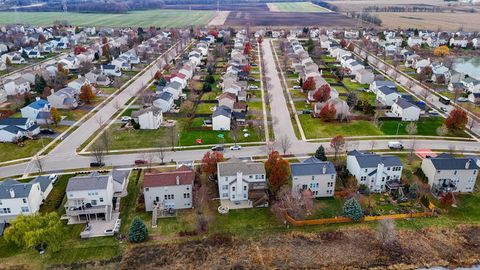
[468, 66]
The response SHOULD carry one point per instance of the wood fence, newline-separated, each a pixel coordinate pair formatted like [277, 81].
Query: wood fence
[346, 219]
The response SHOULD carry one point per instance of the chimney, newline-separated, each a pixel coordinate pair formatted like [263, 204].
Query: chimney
[324, 169]
[12, 193]
[178, 180]
[467, 165]
[37, 98]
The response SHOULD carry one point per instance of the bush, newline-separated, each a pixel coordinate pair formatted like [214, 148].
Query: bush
[138, 232]
[363, 189]
[419, 173]
[425, 201]
[353, 209]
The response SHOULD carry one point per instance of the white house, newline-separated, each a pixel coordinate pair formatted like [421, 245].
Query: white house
[387, 95]
[79, 82]
[16, 86]
[458, 42]
[446, 173]
[15, 58]
[375, 85]
[18, 198]
[227, 99]
[221, 118]
[111, 70]
[180, 78]
[313, 175]
[38, 111]
[69, 62]
[406, 110]
[373, 170]
[97, 76]
[149, 118]
[174, 88]
[89, 198]
[169, 190]
[364, 76]
[242, 184]
[65, 98]
[11, 129]
[414, 41]
[164, 101]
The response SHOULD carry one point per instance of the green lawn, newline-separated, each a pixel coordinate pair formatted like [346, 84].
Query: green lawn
[55, 199]
[204, 107]
[426, 127]
[147, 18]
[10, 151]
[353, 85]
[132, 139]
[316, 128]
[188, 137]
[327, 208]
[296, 7]
[246, 222]
[255, 105]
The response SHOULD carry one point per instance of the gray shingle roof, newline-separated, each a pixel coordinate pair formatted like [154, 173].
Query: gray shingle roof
[234, 165]
[389, 84]
[387, 90]
[222, 110]
[403, 103]
[79, 183]
[21, 190]
[451, 163]
[44, 182]
[312, 166]
[371, 160]
[119, 176]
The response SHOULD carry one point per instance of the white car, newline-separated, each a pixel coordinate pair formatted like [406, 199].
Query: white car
[235, 147]
[126, 118]
[253, 87]
[297, 87]
[53, 178]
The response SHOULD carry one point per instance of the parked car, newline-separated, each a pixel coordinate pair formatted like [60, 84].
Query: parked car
[47, 131]
[97, 164]
[253, 64]
[307, 112]
[126, 118]
[235, 147]
[395, 145]
[433, 112]
[140, 162]
[462, 99]
[297, 87]
[253, 87]
[53, 178]
[443, 109]
[218, 148]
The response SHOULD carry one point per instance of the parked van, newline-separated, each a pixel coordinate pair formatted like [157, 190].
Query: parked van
[395, 145]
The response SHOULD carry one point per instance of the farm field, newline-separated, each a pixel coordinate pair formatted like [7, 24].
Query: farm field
[431, 21]
[288, 19]
[157, 17]
[296, 7]
[356, 5]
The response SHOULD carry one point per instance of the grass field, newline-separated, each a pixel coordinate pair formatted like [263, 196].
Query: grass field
[158, 17]
[10, 151]
[296, 7]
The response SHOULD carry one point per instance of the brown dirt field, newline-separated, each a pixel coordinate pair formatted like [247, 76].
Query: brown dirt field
[343, 249]
[261, 18]
[431, 21]
[222, 6]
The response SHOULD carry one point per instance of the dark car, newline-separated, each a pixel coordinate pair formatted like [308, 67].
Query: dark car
[47, 131]
[140, 162]
[307, 112]
[97, 164]
[218, 148]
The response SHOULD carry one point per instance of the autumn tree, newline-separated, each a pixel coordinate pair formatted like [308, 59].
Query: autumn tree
[85, 66]
[456, 120]
[260, 39]
[86, 93]
[323, 93]
[247, 69]
[61, 69]
[210, 160]
[278, 171]
[328, 112]
[343, 43]
[296, 206]
[350, 47]
[55, 116]
[158, 75]
[79, 49]
[441, 51]
[425, 73]
[8, 63]
[247, 48]
[309, 84]
[337, 144]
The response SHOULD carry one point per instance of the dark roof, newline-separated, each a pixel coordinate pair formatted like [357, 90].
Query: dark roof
[119, 176]
[312, 167]
[451, 163]
[387, 90]
[371, 160]
[160, 179]
[222, 110]
[165, 96]
[21, 190]
[389, 84]
[90, 182]
[174, 84]
[404, 104]
[13, 121]
[239, 115]
[44, 182]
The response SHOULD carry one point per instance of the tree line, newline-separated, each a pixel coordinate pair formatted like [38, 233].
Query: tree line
[96, 6]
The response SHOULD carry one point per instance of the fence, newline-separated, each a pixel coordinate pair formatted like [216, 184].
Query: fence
[346, 219]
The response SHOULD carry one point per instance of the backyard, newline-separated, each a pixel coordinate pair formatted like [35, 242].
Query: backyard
[10, 151]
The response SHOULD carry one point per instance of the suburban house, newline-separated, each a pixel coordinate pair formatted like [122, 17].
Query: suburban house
[18, 198]
[16, 86]
[149, 118]
[69, 62]
[15, 58]
[404, 109]
[414, 41]
[39, 111]
[164, 101]
[472, 85]
[65, 98]
[387, 95]
[314, 175]
[169, 190]
[97, 76]
[174, 88]
[474, 98]
[90, 198]
[242, 184]
[111, 70]
[364, 76]
[227, 99]
[221, 118]
[440, 73]
[446, 173]
[375, 85]
[11, 129]
[373, 170]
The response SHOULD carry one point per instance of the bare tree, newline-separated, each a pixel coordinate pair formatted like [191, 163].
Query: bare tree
[98, 152]
[149, 157]
[412, 130]
[387, 235]
[38, 163]
[235, 134]
[442, 131]
[84, 67]
[286, 203]
[285, 144]
[173, 136]
[425, 94]
[161, 153]
[99, 120]
[105, 140]
[373, 143]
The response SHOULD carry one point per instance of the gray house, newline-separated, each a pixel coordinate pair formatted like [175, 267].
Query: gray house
[314, 175]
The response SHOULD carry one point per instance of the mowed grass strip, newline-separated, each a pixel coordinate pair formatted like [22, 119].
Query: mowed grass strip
[296, 7]
[145, 18]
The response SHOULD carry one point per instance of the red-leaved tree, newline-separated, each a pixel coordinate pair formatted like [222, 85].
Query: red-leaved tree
[158, 75]
[79, 49]
[247, 69]
[323, 93]
[210, 160]
[278, 171]
[247, 48]
[328, 113]
[309, 84]
[456, 120]
[337, 143]
[343, 43]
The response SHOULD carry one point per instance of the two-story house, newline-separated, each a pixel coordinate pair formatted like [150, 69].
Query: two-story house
[149, 118]
[404, 109]
[446, 173]
[374, 170]
[38, 111]
[387, 95]
[314, 175]
[65, 98]
[242, 184]
[171, 189]
[11, 129]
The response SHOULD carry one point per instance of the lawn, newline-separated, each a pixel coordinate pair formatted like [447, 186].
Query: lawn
[327, 208]
[205, 108]
[133, 139]
[147, 18]
[255, 105]
[246, 222]
[425, 127]
[316, 128]
[54, 201]
[353, 85]
[10, 151]
[296, 7]
[189, 137]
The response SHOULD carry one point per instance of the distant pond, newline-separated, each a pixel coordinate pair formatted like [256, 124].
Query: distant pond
[468, 66]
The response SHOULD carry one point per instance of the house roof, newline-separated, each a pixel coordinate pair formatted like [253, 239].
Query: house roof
[387, 90]
[222, 111]
[38, 104]
[371, 160]
[312, 167]
[165, 96]
[185, 176]
[119, 176]
[13, 121]
[90, 182]
[234, 165]
[44, 182]
[21, 190]
[175, 85]
[403, 103]
[152, 109]
[389, 84]
[227, 95]
[242, 105]
[452, 163]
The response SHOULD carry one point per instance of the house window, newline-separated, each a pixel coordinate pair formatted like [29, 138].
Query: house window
[186, 195]
[244, 196]
[94, 202]
[304, 186]
[313, 177]
[225, 195]
[225, 187]
[24, 209]
[147, 189]
[233, 188]
[250, 176]
[0, 202]
[24, 200]
[363, 178]
[226, 178]
[455, 173]
[101, 199]
[244, 187]
[5, 211]
[330, 184]
[165, 197]
[331, 177]
[233, 196]
[365, 170]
